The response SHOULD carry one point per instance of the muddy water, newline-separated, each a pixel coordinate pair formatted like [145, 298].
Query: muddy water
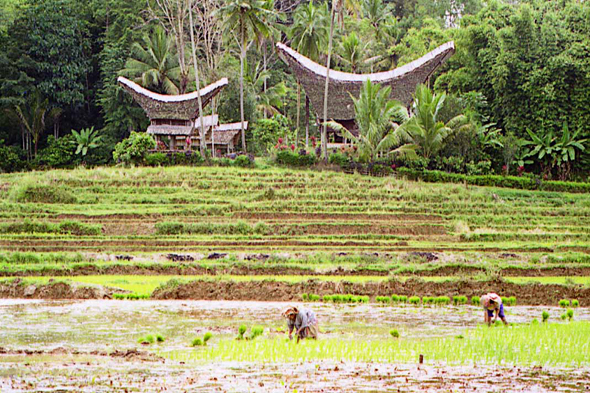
[87, 326]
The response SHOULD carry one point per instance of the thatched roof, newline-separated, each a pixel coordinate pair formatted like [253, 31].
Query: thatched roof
[177, 107]
[403, 80]
[208, 122]
[223, 137]
[224, 133]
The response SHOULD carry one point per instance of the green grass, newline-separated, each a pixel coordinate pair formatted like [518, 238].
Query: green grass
[537, 344]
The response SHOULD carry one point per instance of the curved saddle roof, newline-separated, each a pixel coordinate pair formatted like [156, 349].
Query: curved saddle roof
[177, 107]
[402, 80]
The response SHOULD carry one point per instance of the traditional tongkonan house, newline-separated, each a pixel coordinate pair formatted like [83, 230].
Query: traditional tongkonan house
[403, 82]
[174, 122]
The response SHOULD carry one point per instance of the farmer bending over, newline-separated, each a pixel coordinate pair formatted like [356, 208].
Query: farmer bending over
[493, 303]
[303, 321]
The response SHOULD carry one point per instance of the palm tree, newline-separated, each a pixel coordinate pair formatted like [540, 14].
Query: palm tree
[152, 63]
[377, 118]
[309, 36]
[424, 128]
[336, 7]
[203, 142]
[32, 117]
[246, 19]
[351, 51]
[86, 140]
[270, 99]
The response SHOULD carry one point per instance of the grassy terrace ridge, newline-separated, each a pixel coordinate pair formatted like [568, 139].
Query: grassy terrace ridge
[274, 209]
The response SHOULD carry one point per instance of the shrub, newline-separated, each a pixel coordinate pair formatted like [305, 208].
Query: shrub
[33, 192]
[575, 303]
[564, 303]
[545, 316]
[265, 134]
[10, 159]
[59, 153]
[475, 300]
[133, 149]
[394, 333]
[287, 157]
[244, 161]
[156, 159]
[338, 159]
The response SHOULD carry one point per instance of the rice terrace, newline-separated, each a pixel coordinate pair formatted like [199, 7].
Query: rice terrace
[294, 196]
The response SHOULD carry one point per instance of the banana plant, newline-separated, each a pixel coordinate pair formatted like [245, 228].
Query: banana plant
[86, 140]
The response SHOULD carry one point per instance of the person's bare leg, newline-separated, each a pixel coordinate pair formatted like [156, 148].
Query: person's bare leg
[504, 320]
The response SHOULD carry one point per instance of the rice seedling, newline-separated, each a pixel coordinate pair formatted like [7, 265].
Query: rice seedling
[442, 300]
[545, 316]
[575, 303]
[207, 337]
[570, 314]
[564, 316]
[255, 332]
[197, 342]
[535, 321]
[475, 300]
[146, 340]
[459, 300]
[564, 303]
[394, 333]
[383, 299]
[241, 331]
[403, 299]
[523, 344]
[395, 298]
[160, 338]
[414, 300]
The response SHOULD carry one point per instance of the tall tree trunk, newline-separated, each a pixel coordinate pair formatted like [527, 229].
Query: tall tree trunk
[306, 122]
[298, 113]
[203, 143]
[264, 70]
[242, 59]
[325, 119]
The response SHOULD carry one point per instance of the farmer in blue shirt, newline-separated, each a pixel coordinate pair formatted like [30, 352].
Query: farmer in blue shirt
[492, 304]
[303, 321]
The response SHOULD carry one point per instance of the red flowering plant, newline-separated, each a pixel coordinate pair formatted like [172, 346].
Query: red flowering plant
[292, 147]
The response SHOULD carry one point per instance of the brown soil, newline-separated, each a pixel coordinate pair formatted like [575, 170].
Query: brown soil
[337, 216]
[527, 294]
[129, 354]
[188, 269]
[54, 290]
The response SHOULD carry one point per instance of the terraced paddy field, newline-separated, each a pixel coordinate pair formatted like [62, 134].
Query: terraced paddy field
[207, 249]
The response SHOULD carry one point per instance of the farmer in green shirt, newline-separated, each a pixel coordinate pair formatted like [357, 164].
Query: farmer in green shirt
[302, 321]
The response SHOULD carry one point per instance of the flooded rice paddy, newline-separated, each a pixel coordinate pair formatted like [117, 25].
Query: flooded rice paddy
[66, 346]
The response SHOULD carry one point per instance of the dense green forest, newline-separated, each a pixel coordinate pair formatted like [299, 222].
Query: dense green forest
[519, 80]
